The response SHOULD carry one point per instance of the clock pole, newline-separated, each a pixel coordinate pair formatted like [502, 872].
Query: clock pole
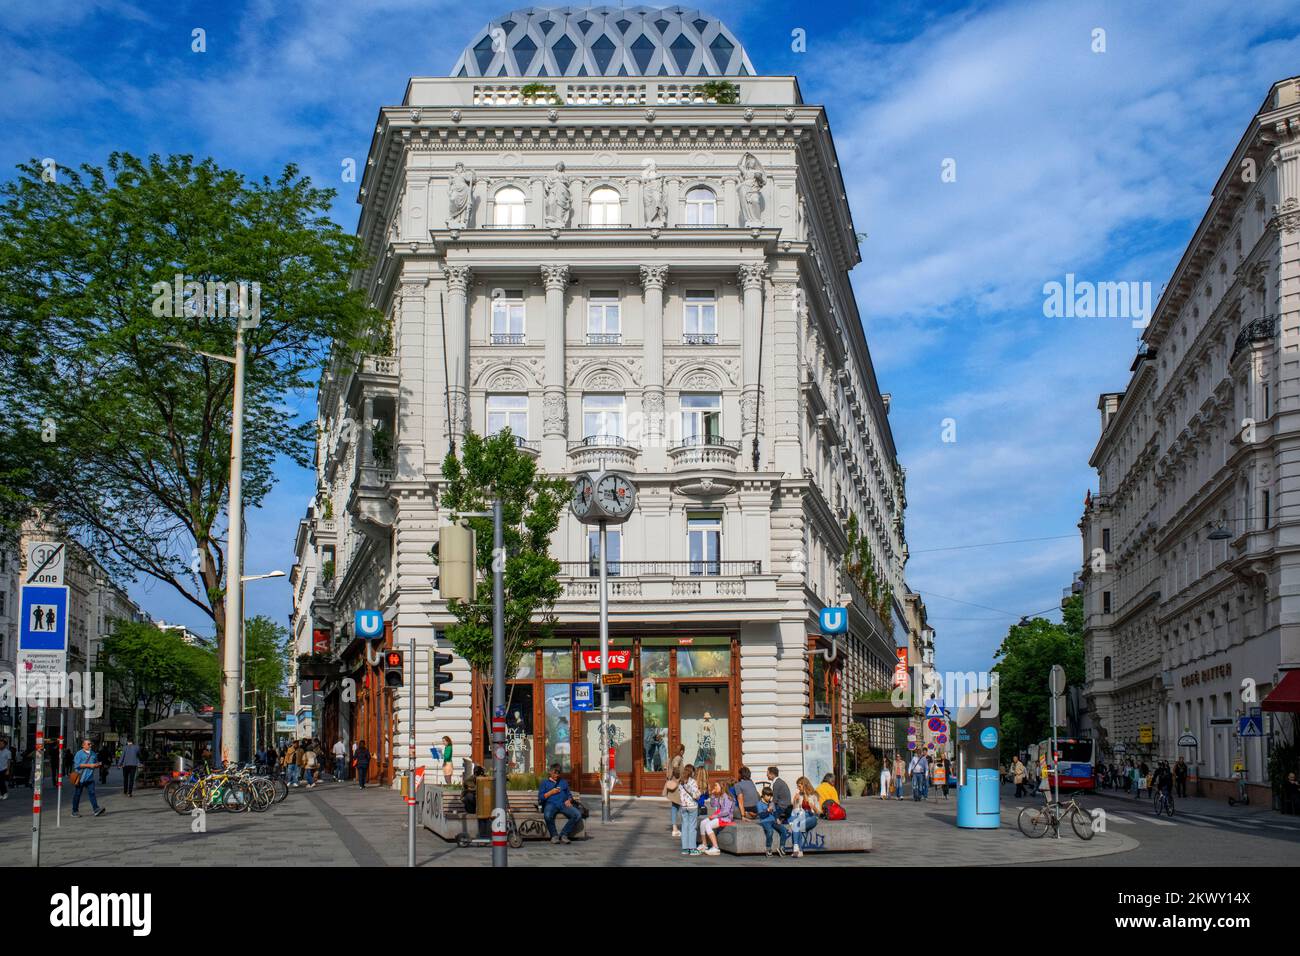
[604, 672]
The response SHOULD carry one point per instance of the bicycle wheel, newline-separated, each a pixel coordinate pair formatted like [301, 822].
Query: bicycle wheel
[281, 788]
[170, 791]
[1169, 806]
[182, 800]
[1082, 823]
[1034, 822]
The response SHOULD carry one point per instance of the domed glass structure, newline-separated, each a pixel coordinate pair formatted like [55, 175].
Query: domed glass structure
[604, 41]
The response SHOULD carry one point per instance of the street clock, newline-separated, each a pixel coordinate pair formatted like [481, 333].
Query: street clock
[608, 497]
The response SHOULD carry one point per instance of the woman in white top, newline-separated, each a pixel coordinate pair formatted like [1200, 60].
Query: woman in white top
[886, 778]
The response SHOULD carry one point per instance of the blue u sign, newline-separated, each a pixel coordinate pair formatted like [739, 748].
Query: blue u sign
[369, 625]
[833, 620]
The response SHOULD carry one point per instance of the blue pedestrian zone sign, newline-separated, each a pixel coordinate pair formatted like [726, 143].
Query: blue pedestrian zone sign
[1250, 726]
[44, 618]
[369, 625]
[582, 697]
[833, 620]
[934, 708]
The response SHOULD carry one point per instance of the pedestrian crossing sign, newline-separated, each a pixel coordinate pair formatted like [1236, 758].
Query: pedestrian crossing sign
[1250, 727]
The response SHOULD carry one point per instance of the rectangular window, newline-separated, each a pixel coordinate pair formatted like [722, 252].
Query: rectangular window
[604, 322]
[700, 320]
[602, 415]
[704, 542]
[1266, 509]
[701, 418]
[2, 603]
[1105, 540]
[1105, 602]
[613, 551]
[508, 318]
[508, 411]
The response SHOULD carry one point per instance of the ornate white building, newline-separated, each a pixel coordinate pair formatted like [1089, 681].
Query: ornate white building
[1192, 545]
[570, 237]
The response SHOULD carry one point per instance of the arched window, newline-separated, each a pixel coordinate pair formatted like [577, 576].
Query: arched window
[701, 207]
[509, 210]
[606, 207]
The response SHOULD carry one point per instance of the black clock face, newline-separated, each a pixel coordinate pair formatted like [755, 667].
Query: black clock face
[583, 493]
[615, 496]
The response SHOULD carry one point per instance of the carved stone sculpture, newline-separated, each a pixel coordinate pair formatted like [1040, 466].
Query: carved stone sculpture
[752, 179]
[559, 199]
[653, 202]
[460, 196]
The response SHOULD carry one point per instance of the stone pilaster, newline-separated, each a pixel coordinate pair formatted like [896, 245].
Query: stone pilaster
[751, 276]
[555, 416]
[459, 279]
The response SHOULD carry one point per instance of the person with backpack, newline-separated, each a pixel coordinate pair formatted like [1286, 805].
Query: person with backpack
[310, 761]
[826, 789]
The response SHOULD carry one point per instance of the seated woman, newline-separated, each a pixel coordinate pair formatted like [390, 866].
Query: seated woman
[721, 809]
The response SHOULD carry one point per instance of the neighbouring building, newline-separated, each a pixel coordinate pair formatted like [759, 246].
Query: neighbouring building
[1191, 577]
[573, 239]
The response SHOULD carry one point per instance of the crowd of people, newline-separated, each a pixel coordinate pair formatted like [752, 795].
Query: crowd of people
[306, 762]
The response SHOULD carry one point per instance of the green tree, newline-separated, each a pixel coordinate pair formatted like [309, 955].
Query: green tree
[266, 667]
[125, 436]
[531, 501]
[1025, 661]
[155, 670]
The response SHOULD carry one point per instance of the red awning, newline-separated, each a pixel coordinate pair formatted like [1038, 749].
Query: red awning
[1286, 695]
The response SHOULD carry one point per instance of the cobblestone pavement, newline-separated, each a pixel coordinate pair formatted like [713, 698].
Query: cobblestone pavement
[341, 825]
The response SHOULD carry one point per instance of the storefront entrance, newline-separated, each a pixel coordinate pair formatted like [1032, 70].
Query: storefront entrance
[676, 691]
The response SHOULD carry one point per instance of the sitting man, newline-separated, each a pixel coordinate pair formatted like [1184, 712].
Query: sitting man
[555, 798]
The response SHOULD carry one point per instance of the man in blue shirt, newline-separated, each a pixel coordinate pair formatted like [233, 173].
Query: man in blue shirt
[85, 764]
[555, 798]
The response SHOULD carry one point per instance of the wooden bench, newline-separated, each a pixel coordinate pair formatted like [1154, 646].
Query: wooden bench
[829, 836]
[443, 812]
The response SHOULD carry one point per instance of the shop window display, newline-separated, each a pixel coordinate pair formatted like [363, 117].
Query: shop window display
[704, 662]
[520, 739]
[559, 734]
[705, 725]
[620, 731]
[654, 712]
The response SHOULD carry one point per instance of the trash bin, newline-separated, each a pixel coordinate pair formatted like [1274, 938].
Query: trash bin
[483, 797]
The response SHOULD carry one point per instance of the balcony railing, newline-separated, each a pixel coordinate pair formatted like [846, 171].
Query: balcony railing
[628, 569]
[700, 338]
[604, 338]
[709, 450]
[509, 338]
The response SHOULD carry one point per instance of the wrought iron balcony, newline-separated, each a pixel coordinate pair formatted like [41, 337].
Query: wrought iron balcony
[1257, 330]
[700, 338]
[630, 569]
[588, 452]
[509, 338]
[604, 338]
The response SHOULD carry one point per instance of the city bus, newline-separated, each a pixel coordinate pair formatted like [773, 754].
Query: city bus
[1076, 763]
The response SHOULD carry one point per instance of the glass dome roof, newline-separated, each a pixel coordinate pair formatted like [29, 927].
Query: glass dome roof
[604, 41]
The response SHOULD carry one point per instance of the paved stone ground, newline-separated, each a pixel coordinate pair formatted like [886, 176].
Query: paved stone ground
[341, 825]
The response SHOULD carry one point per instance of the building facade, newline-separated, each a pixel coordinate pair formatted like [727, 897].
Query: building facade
[1191, 574]
[571, 239]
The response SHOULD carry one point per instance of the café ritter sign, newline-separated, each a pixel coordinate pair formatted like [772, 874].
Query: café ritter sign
[1218, 672]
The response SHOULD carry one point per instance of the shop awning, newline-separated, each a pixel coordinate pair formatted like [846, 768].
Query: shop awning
[1286, 695]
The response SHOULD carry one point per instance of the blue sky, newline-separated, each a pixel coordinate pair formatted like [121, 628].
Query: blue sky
[1067, 161]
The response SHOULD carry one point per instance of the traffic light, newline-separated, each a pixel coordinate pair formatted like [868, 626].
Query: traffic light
[453, 553]
[440, 677]
[392, 668]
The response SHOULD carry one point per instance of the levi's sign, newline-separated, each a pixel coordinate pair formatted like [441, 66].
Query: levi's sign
[618, 660]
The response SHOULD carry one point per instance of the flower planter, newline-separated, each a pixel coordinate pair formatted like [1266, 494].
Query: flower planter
[857, 786]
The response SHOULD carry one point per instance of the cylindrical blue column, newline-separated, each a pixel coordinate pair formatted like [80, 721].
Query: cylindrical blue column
[979, 785]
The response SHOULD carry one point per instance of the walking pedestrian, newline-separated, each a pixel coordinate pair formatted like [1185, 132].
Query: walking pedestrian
[130, 763]
[886, 780]
[916, 771]
[672, 791]
[340, 761]
[6, 761]
[1019, 774]
[446, 760]
[689, 793]
[310, 761]
[84, 766]
[106, 756]
[1180, 778]
[803, 815]
[900, 775]
[290, 761]
[942, 774]
[362, 761]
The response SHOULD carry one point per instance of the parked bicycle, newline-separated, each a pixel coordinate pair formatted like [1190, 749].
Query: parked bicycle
[1163, 802]
[1034, 822]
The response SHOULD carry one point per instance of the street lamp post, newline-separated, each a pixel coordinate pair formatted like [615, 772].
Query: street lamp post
[243, 646]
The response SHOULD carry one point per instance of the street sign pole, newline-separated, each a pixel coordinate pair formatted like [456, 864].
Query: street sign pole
[58, 781]
[1056, 684]
[37, 770]
[499, 857]
[410, 759]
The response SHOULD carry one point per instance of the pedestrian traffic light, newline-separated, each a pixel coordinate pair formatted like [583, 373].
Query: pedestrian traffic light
[393, 669]
[440, 677]
[453, 553]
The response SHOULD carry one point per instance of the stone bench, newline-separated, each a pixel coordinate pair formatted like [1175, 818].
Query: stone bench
[829, 836]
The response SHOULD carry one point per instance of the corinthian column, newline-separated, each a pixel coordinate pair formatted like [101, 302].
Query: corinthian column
[653, 279]
[554, 405]
[751, 281]
[458, 282]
